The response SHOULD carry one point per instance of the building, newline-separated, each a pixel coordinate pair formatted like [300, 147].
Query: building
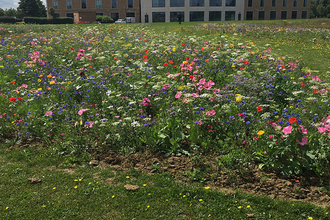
[86, 10]
[191, 10]
[276, 9]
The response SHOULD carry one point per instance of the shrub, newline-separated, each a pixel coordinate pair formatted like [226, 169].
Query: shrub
[11, 20]
[43, 20]
[104, 19]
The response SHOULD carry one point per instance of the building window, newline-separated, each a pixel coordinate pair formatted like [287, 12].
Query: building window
[197, 3]
[114, 15]
[196, 16]
[249, 15]
[174, 16]
[177, 3]
[294, 3]
[262, 3]
[114, 4]
[99, 13]
[305, 3]
[272, 15]
[55, 4]
[304, 14]
[261, 15]
[69, 15]
[68, 4]
[130, 14]
[83, 3]
[250, 3]
[273, 3]
[98, 4]
[294, 15]
[158, 16]
[215, 16]
[284, 3]
[158, 3]
[56, 15]
[231, 3]
[215, 2]
[130, 3]
[230, 16]
[283, 14]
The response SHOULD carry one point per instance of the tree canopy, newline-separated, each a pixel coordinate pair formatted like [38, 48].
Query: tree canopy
[31, 8]
[320, 8]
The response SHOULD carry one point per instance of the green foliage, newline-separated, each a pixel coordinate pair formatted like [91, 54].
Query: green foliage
[51, 11]
[104, 19]
[320, 8]
[60, 20]
[10, 20]
[31, 8]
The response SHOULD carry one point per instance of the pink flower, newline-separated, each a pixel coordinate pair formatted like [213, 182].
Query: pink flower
[48, 113]
[141, 110]
[81, 111]
[208, 85]
[210, 113]
[287, 130]
[303, 142]
[195, 95]
[145, 102]
[275, 126]
[321, 129]
[270, 136]
[303, 130]
[25, 86]
[202, 81]
[178, 95]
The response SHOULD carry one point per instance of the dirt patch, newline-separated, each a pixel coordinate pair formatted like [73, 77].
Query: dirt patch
[205, 169]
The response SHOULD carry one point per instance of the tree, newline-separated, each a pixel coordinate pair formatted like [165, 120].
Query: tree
[31, 8]
[11, 12]
[320, 8]
[51, 11]
[2, 12]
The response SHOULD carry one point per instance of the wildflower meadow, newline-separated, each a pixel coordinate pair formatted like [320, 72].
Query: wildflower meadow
[85, 89]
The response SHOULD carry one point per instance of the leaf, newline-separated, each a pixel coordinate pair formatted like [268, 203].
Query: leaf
[261, 166]
[310, 155]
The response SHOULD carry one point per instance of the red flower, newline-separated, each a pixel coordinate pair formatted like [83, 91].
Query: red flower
[19, 98]
[13, 82]
[12, 99]
[145, 56]
[259, 108]
[246, 62]
[191, 76]
[165, 64]
[292, 120]
[316, 91]
[170, 61]
[187, 58]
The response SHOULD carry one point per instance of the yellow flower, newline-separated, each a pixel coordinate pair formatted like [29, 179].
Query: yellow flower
[144, 184]
[112, 196]
[148, 206]
[127, 177]
[76, 187]
[54, 188]
[7, 207]
[69, 82]
[200, 200]
[206, 187]
[39, 89]
[261, 132]
[310, 218]
[239, 207]
[39, 80]
[173, 49]
[238, 99]
[52, 82]
[185, 62]
[248, 206]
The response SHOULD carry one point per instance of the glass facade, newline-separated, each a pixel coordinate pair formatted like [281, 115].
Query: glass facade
[284, 3]
[197, 3]
[196, 16]
[98, 4]
[250, 3]
[262, 3]
[158, 16]
[55, 4]
[230, 16]
[177, 3]
[158, 3]
[294, 3]
[215, 16]
[305, 3]
[174, 16]
[215, 2]
[273, 3]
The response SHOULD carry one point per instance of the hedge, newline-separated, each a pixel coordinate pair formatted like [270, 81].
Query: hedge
[11, 20]
[42, 20]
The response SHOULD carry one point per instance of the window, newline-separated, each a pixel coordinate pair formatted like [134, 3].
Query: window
[158, 3]
[174, 16]
[83, 4]
[130, 14]
[273, 3]
[305, 3]
[196, 3]
[56, 15]
[114, 15]
[294, 3]
[262, 3]
[231, 3]
[98, 4]
[230, 16]
[250, 3]
[158, 16]
[215, 16]
[283, 14]
[284, 3]
[249, 15]
[304, 14]
[215, 2]
[177, 3]
[114, 4]
[196, 16]
[294, 15]
[55, 4]
[68, 4]
[130, 3]
[99, 13]
[69, 15]
[272, 15]
[261, 15]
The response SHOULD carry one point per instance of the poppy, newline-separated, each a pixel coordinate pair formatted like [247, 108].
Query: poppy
[259, 108]
[12, 99]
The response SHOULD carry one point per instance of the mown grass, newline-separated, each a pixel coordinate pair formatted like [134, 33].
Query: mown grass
[87, 192]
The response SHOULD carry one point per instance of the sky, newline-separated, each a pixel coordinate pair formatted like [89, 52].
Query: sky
[5, 4]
